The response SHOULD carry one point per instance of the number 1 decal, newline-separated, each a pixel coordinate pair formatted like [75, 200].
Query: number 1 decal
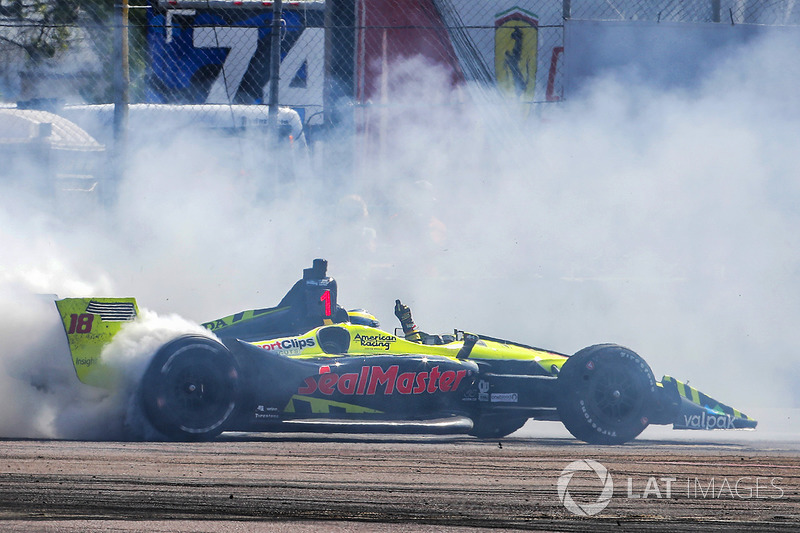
[325, 298]
[80, 323]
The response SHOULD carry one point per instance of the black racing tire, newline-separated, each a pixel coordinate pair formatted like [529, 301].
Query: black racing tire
[493, 427]
[605, 394]
[191, 388]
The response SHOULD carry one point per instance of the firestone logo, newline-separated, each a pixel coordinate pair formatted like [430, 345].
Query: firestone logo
[585, 509]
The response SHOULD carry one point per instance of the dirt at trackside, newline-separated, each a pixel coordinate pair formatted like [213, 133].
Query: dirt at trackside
[344, 483]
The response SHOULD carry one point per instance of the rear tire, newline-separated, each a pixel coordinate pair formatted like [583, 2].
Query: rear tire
[191, 388]
[605, 393]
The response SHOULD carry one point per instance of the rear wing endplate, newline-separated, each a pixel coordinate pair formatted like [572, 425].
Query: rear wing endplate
[90, 324]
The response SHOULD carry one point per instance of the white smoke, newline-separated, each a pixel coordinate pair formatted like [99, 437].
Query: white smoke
[660, 219]
[128, 356]
[40, 394]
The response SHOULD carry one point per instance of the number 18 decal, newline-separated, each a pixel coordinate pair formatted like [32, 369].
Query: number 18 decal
[80, 323]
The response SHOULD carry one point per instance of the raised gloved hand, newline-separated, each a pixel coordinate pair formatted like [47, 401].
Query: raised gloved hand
[403, 314]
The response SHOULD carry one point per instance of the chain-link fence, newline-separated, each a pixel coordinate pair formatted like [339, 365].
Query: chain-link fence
[218, 51]
[777, 12]
[335, 55]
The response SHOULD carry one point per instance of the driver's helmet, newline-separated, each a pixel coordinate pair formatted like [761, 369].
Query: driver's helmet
[363, 318]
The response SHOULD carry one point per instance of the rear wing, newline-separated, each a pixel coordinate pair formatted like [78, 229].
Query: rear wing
[90, 324]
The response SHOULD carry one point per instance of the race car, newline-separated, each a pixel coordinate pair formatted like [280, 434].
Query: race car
[307, 364]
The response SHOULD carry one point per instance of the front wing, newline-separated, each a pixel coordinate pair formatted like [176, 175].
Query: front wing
[700, 411]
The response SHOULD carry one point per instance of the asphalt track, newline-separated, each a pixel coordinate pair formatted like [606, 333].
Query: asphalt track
[342, 483]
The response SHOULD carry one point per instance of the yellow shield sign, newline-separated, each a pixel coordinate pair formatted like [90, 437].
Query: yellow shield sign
[516, 36]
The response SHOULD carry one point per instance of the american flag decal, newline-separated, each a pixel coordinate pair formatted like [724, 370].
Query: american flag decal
[112, 311]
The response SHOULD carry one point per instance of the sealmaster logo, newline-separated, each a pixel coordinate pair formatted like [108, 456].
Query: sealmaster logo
[585, 509]
[371, 378]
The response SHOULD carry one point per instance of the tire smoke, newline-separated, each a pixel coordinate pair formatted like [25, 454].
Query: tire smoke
[664, 220]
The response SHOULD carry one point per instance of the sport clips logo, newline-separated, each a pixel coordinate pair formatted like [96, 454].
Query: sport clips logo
[664, 487]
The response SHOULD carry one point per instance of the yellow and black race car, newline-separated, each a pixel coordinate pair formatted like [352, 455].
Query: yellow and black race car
[309, 365]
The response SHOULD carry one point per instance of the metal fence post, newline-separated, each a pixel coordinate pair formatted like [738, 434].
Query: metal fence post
[715, 10]
[275, 68]
[121, 83]
[339, 92]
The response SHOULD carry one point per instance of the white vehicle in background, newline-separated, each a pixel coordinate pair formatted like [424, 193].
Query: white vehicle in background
[48, 154]
[241, 133]
[234, 119]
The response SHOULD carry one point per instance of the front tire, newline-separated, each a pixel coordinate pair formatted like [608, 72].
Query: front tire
[605, 393]
[191, 388]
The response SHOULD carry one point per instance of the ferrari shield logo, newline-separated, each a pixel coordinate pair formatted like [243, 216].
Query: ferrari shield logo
[516, 35]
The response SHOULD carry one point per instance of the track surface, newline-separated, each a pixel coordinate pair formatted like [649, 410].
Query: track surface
[385, 483]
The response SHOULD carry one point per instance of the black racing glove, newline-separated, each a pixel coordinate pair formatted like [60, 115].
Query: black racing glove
[403, 314]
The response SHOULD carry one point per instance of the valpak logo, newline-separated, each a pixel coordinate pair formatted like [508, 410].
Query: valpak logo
[710, 421]
[591, 508]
